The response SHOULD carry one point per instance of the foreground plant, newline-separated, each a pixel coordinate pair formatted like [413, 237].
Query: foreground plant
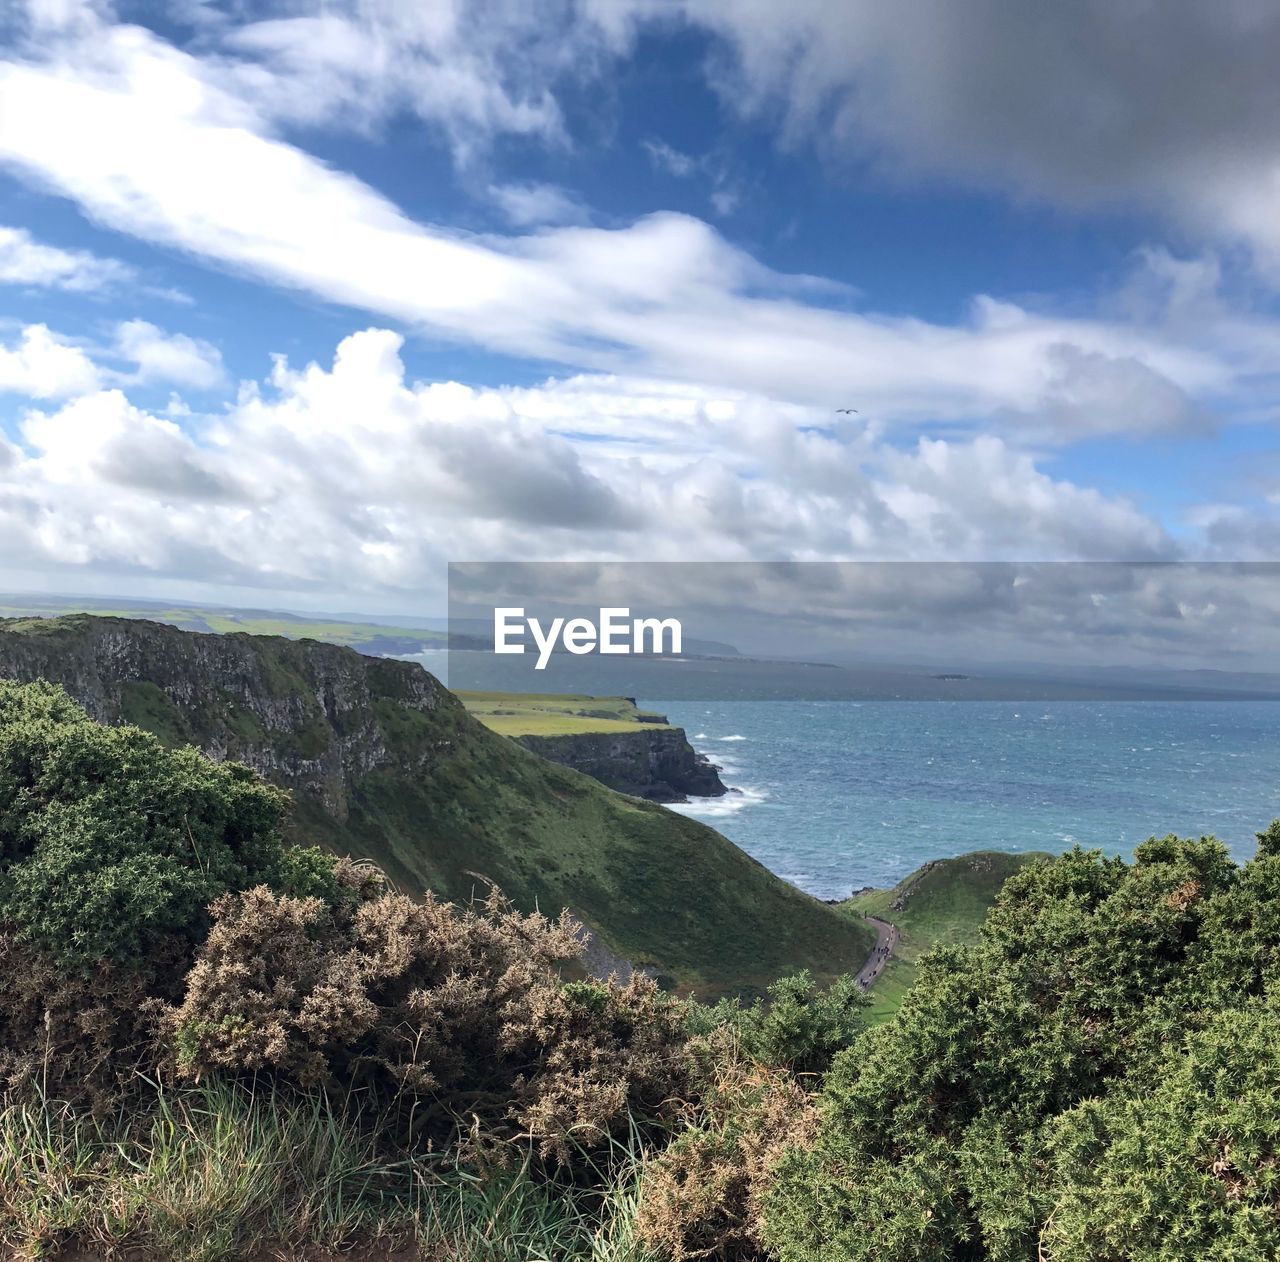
[221, 1172]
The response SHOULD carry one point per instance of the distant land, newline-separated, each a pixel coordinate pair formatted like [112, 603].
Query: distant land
[370, 635]
[708, 669]
[376, 635]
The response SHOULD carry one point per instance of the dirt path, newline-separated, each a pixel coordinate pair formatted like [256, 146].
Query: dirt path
[886, 940]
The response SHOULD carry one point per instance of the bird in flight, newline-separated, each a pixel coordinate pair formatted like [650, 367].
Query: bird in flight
[848, 411]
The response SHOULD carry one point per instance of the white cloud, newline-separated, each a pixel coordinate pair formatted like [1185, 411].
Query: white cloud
[1175, 110]
[134, 131]
[25, 261]
[473, 72]
[168, 357]
[44, 366]
[531, 205]
[352, 481]
[665, 158]
[725, 196]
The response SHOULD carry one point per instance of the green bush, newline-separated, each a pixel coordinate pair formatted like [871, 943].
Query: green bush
[1096, 1079]
[110, 844]
[800, 1026]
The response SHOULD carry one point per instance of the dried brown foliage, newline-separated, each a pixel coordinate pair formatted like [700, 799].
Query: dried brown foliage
[81, 1035]
[701, 1196]
[455, 1016]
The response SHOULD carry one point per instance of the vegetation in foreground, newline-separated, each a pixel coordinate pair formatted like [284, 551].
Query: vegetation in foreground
[313, 1059]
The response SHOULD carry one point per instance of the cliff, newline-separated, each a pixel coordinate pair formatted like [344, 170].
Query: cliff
[384, 763]
[656, 763]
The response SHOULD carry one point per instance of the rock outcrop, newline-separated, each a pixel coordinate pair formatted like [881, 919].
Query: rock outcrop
[301, 713]
[656, 763]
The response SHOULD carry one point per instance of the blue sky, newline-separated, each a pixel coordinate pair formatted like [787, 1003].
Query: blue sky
[299, 302]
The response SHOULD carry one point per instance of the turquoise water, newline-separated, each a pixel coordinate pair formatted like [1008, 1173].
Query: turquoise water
[837, 795]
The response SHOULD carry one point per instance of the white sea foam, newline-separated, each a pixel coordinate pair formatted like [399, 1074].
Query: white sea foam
[737, 799]
[731, 738]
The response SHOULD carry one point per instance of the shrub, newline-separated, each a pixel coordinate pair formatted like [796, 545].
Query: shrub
[79, 1033]
[111, 849]
[459, 1014]
[702, 1195]
[1053, 1091]
[110, 844]
[799, 1026]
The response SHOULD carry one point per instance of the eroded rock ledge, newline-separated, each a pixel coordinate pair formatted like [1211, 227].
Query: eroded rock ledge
[656, 763]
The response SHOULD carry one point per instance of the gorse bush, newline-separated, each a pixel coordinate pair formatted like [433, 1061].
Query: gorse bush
[702, 1195]
[800, 1027]
[112, 848]
[460, 1014]
[1096, 1079]
[110, 843]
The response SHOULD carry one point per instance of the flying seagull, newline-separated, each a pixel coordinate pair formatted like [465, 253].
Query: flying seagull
[848, 411]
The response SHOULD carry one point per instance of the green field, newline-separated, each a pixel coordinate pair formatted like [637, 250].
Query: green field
[552, 714]
[941, 904]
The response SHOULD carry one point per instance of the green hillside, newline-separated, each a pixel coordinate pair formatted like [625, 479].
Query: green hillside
[385, 764]
[942, 903]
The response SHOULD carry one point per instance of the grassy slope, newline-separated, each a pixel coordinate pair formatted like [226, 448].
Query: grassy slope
[453, 807]
[552, 714]
[941, 904]
[665, 890]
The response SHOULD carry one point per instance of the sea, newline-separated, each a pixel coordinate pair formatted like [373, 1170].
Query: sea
[838, 795]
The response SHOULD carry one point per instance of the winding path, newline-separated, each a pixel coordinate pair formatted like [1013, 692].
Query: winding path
[886, 940]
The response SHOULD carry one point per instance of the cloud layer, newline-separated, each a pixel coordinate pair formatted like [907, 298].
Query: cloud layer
[351, 478]
[150, 141]
[694, 409]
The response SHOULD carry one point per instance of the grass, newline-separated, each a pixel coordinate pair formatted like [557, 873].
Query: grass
[552, 714]
[941, 904]
[226, 1171]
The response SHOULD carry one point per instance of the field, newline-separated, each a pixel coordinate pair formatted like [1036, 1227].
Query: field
[552, 714]
[941, 904]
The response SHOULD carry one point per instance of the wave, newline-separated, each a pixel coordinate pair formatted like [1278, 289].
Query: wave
[731, 738]
[737, 799]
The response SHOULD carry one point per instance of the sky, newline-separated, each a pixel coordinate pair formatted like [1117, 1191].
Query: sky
[300, 302]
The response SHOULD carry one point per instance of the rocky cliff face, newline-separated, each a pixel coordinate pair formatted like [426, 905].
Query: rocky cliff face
[302, 714]
[657, 763]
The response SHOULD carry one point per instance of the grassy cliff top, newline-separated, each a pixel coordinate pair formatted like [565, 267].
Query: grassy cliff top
[372, 636]
[554, 714]
[942, 903]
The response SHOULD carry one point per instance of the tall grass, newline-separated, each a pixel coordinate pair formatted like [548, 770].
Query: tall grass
[224, 1171]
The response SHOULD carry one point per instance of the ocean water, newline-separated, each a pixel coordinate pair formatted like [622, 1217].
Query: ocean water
[837, 795]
